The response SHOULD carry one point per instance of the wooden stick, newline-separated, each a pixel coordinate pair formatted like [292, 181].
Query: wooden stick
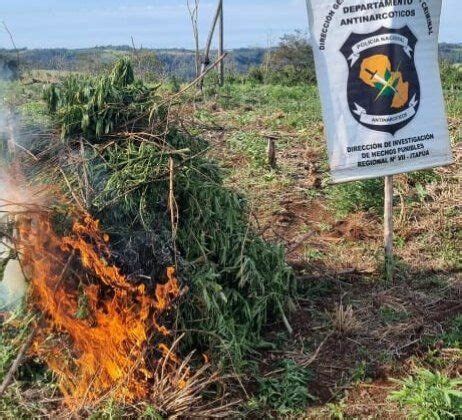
[313, 358]
[221, 45]
[12, 41]
[388, 229]
[285, 320]
[197, 80]
[17, 362]
[208, 45]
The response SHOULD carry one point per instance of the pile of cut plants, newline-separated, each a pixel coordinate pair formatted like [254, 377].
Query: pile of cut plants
[148, 285]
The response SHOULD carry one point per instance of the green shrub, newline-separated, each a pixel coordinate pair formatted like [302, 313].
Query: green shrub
[430, 396]
[290, 75]
[256, 75]
[237, 281]
[175, 84]
[451, 76]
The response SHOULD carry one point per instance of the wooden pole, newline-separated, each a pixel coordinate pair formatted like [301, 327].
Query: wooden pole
[271, 151]
[388, 229]
[221, 45]
[208, 45]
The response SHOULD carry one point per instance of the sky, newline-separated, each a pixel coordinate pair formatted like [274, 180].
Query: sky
[163, 23]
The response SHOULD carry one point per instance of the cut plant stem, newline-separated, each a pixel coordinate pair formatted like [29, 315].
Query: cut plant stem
[285, 320]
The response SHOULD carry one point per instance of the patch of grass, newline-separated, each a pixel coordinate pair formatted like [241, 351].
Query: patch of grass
[285, 392]
[391, 316]
[11, 408]
[251, 145]
[344, 320]
[423, 177]
[313, 290]
[357, 196]
[431, 283]
[11, 337]
[428, 396]
[36, 113]
[311, 254]
[205, 116]
[299, 106]
[453, 336]
[13, 404]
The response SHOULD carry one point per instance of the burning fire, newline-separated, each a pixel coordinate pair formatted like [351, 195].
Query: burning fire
[97, 331]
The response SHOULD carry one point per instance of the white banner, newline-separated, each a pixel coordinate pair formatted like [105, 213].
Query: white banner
[378, 76]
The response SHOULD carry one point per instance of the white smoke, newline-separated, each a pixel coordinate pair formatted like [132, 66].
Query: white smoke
[13, 284]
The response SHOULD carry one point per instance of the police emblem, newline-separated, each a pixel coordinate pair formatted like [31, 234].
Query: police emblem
[383, 84]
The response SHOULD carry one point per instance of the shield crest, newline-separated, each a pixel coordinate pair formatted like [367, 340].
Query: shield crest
[383, 84]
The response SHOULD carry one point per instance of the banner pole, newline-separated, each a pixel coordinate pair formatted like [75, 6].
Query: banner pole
[388, 230]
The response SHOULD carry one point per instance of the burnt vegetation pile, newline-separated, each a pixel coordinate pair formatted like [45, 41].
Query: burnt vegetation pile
[122, 156]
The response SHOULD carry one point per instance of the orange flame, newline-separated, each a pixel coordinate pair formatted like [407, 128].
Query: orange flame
[97, 327]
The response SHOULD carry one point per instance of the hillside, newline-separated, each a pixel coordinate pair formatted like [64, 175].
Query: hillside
[167, 62]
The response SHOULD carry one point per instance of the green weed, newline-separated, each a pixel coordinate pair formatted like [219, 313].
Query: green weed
[98, 106]
[13, 408]
[251, 145]
[336, 410]
[453, 336]
[391, 316]
[430, 396]
[360, 372]
[110, 411]
[286, 392]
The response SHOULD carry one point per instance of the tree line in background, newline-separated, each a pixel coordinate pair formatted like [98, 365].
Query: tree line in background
[289, 63]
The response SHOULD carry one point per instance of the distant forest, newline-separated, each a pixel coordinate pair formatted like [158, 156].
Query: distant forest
[168, 63]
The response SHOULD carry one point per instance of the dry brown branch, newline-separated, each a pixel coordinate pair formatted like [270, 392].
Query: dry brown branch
[71, 190]
[86, 182]
[199, 79]
[194, 16]
[172, 204]
[12, 40]
[17, 362]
